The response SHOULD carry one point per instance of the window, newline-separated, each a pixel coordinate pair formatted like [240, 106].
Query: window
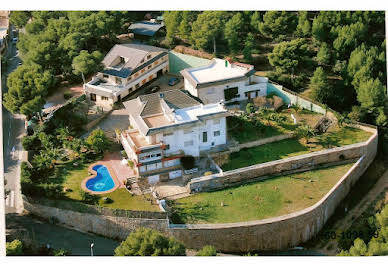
[168, 134]
[129, 78]
[142, 61]
[231, 93]
[156, 62]
[142, 71]
[105, 76]
[136, 74]
[189, 143]
[149, 67]
[216, 121]
[204, 136]
[93, 97]
[137, 86]
[104, 98]
[148, 56]
[143, 81]
[217, 133]
[118, 80]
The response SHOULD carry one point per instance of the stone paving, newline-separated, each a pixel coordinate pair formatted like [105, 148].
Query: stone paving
[122, 171]
[173, 188]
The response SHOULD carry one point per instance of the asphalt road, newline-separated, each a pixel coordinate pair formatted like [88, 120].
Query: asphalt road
[78, 243]
[13, 130]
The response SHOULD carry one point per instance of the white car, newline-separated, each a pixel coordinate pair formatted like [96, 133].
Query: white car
[14, 40]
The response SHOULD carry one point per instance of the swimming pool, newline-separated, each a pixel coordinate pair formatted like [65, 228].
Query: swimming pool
[103, 181]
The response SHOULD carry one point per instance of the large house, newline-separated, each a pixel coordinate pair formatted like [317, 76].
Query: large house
[127, 67]
[167, 125]
[223, 80]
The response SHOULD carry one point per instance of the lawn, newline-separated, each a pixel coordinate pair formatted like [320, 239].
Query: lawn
[122, 199]
[246, 131]
[259, 200]
[293, 147]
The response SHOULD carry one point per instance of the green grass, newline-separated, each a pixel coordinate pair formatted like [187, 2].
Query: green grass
[259, 200]
[246, 131]
[122, 199]
[293, 147]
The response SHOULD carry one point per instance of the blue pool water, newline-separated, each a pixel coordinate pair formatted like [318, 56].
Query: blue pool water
[103, 180]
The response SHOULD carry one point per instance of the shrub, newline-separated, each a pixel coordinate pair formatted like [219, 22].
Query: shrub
[67, 95]
[250, 108]
[14, 248]
[131, 164]
[123, 153]
[31, 143]
[98, 140]
[107, 200]
[88, 198]
[50, 190]
[148, 242]
[207, 251]
[188, 162]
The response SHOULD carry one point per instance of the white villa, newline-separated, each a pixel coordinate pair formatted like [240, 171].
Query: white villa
[223, 80]
[127, 68]
[165, 126]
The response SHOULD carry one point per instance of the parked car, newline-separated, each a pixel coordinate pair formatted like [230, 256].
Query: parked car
[14, 40]
[152, 89]
[173, 81]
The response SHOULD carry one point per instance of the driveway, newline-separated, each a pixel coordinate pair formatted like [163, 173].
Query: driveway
[162, 82]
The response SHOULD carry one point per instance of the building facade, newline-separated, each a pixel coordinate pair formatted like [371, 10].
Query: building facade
[167, 126]
[127, 67]
[222, 80]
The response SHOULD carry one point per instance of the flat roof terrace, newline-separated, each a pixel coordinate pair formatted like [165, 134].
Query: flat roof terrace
[216, 71]
[157, 121]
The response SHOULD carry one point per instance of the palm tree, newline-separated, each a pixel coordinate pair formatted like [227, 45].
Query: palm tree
[305, 132]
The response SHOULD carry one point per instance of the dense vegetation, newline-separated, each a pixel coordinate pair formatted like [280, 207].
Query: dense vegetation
[59, 46]
[55, 143]
[337, 56]
[148, 242]
[375, 242]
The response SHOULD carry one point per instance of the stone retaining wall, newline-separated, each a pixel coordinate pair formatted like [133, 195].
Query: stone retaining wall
[288, 165]
[265, 141]
[274, 233]
[117, 227]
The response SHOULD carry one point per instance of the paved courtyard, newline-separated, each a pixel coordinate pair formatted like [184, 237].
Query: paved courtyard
[117, 119]
[121, 170]
[172, 189]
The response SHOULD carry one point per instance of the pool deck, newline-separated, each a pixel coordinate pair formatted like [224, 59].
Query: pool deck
[117, 170]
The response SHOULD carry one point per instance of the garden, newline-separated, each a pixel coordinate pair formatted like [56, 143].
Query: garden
[254, 125]
[59, 160]
[259, 200]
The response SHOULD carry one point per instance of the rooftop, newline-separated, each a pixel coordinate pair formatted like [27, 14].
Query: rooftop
[217, 70]
[158, 111]
[132, 56]
[146, 28]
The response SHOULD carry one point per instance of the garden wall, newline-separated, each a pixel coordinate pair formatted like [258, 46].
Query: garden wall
[111, 223]
[288, 165]
[274, 233]
[268, 234]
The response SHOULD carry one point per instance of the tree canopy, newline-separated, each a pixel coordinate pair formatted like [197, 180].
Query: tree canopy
[27, 87]
[148, 242]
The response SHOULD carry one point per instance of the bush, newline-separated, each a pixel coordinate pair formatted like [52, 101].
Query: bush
[148, 242]
[123, 153]
[107, 200]
[131, 164]
[31, 143]
[14, 248]
[98, 141]
[88, 198]
[50, 190]
[250, 108]
[207, 251]
[67, 95]
[188, 162]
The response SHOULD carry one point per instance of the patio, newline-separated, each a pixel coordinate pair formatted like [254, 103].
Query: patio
[122, 171]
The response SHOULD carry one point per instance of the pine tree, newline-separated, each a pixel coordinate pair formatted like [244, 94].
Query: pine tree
[323, 55]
